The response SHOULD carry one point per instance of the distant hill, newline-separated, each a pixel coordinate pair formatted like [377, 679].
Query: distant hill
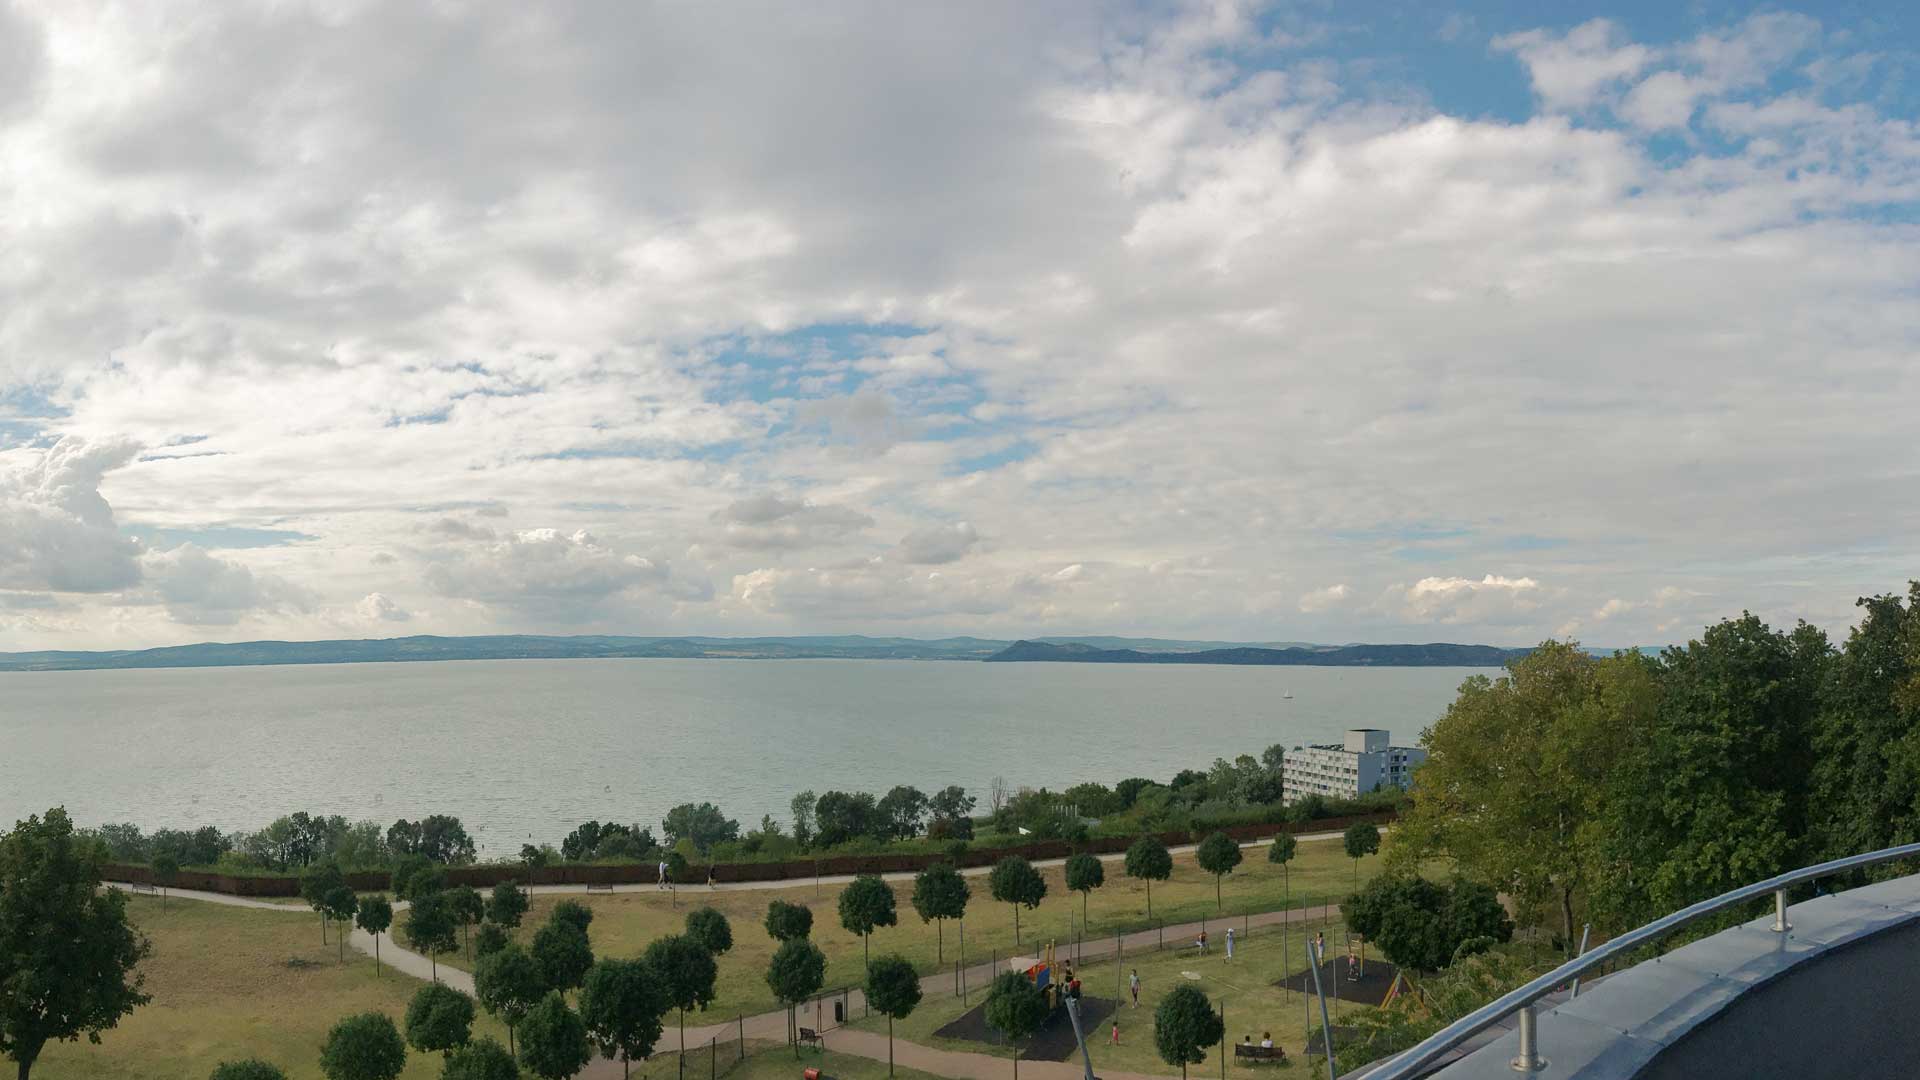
[1103, 650]
[1437, 655]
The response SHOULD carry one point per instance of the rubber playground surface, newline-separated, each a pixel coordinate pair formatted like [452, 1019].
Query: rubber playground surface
[1370, 989]
[1053, 1042]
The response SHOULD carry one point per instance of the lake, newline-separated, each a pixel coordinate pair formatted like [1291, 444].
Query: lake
[523, 750]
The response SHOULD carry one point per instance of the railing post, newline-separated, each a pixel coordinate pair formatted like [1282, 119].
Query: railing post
[1780, 923]
[1529, 1059]
[1584, 931]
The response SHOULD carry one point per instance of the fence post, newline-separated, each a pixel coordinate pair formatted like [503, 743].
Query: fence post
[1163, 935]
[713, 1058]
[740, 1019]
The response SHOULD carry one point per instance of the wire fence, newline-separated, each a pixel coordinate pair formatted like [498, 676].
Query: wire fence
[716, 1057]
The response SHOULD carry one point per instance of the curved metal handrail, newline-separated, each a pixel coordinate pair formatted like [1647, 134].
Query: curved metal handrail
[1410, 1063]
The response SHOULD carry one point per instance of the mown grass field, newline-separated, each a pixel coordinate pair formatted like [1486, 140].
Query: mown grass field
[1244, 985]
[231, 983]
[625, 922]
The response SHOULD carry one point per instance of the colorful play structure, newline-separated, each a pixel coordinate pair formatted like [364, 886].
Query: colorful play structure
[1045, 974]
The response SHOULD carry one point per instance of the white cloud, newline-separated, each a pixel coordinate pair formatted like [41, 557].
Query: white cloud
[1491, 599]
[766, 522]
[205, 590]
[1573, 70]
[56, 531]
[377, 607]
[553, 577]
[938, 544]
[1327, 599]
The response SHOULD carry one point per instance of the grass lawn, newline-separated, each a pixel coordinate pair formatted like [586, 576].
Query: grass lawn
[1244, 986]
[232, 983]
[624, 923]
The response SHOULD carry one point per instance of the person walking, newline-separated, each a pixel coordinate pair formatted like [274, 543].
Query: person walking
[1229, 942]
[1116, 1033]
[1133, 983]
[663, 874]
[1202, 942]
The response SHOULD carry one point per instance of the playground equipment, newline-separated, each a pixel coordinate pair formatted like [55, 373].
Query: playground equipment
[1045, 973]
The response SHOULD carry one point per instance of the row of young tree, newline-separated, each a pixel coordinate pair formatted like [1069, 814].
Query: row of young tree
[1614, 790]
[294, 842]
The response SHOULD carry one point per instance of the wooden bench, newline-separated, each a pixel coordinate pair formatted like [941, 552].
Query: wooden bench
[1258, 1053]
[141, 887]
[812, 1038]
[600, 886]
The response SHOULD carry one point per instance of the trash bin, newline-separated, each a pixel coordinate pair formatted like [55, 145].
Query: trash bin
[810, 1073]
[840, 1011]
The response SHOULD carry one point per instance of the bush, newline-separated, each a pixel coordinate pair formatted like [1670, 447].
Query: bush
[250, 1069]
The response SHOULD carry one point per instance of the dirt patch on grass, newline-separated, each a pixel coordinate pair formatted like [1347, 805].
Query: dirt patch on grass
[1053, 1042]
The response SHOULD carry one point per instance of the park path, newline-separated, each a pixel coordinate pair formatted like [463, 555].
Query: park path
[772, 1026]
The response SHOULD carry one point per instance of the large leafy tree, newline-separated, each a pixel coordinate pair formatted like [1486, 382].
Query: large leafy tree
[509, 984]
[1866, 773]
[67, 954]
[1218, 855]
[1014, 881]
[507, 904]
[363, 1047]
[1148, 860]
[786, 922]
[686, 972]
[901, 812]
[468, 907]
[1184, 1025]
[703, 824]
[893, 989]
[622, 1006]
[1015, 1009]
[437, 837]
[564, 954]
[796, 972]
[1715, 794]
[1518, 771]
[553, 1040]
[431, 929]
[1085, 873]
[1424, 926]
[439, 1018]
[481, 1059]
[573, 913]
[941, 892]
[867, 904]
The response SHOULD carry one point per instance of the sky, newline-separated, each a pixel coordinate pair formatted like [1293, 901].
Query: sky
[1323, 322]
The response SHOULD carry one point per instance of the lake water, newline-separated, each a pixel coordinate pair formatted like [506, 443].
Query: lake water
[525, 749]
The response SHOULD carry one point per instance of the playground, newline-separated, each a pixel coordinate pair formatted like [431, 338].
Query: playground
[1337, 980]
[1055, 1040]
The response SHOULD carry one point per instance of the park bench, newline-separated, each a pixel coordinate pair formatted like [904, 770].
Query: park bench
[1258, 1053]
[812, 1038]
[142, 887]
[600, 886]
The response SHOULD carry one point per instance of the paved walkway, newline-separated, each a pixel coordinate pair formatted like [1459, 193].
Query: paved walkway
[772, 1026]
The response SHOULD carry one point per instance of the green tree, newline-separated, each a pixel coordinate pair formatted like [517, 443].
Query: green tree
[1362, 839]
[1085, 873]
[1015, 881]
[489, 939]
[865, 905]
[467, 907]
[710, 928]
[796, 972]
[67, 954]
[363, 1047]
[563, 952]
[1217, 855]
[430, 929]
[402, 872]
[509, 983]
[1281, 854]
[553, 1039]
[802, 807]
[787, 922]
[940, 892]
[1866, 741]
[249, 1069]
[507, 904]
[1184, 1025]
[686, 972]
[1148, 860]
[425, 881]
[317, 882]
[481, 1059]
[374, 914]
[1421, 925]
[1015, 1009]
[893, 988]
[573, 913]
[342, 905]
[622, 1006]
[1518, 773]
[439, 1018]
[166, 870]
[704, 825]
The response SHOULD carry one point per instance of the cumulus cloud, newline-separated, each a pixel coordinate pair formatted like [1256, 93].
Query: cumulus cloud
[56, 531]
[550, 576]
[205, 590]
[1572, 70]
[1459, 600]
[1327, 599]
[378, 607]
[938, 544]
[765, 522]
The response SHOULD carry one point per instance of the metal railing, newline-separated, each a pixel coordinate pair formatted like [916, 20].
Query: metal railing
[1413, 1062]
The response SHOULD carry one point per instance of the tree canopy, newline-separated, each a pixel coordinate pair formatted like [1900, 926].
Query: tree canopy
[702, 825]
[622, 1006]
[363, 1047]
[507, 904]
[865, 905]
[1184, 1025]
[509, 983]
[1421, 925]
[481, 1059]
[1014, 881]
[940, 892]
[1085, 873]
[1218, 854]
[439, 1018]
[1015, 1009]
[563, 952]
[798, 970]
[787, 922]
[1148, 860]
[248, 1069]
[685, 970]
[68, 957]
[711, 929]
[893, 990]
[553, 1039]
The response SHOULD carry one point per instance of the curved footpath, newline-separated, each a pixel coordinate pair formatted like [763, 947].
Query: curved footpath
[772, 1026]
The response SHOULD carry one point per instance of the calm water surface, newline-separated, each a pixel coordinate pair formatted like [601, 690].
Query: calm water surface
[525, 749]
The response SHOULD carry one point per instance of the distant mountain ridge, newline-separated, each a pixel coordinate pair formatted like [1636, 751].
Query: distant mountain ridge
[1091, 649]
[1434, 655]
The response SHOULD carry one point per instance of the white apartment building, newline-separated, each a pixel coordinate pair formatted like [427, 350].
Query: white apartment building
[1366, 762]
